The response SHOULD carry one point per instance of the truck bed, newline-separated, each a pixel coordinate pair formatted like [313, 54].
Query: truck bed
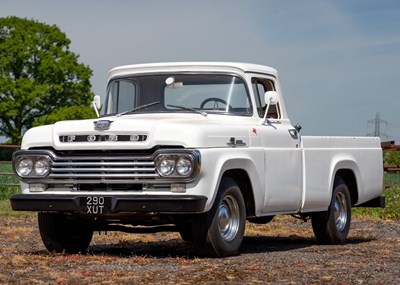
[324, 155]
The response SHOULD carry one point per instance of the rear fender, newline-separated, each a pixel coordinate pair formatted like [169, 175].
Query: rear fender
[344, 168]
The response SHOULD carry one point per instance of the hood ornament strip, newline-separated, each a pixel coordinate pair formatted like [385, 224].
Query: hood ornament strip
[102, 125]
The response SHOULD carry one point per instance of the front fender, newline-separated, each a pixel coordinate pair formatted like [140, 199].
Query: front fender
[216, 162]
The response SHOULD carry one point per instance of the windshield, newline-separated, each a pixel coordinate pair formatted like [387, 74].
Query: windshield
[209, 93]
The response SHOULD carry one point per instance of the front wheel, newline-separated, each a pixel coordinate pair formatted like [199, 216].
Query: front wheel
[333, 225]
[221, 230]
[61, 233]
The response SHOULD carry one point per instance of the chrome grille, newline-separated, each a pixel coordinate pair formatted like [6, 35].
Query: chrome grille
[108, 169]
[102, 169]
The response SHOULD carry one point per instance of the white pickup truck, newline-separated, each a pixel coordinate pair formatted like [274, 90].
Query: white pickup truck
[197, 148]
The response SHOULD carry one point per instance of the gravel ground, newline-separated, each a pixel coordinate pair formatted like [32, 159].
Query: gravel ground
[282, 252]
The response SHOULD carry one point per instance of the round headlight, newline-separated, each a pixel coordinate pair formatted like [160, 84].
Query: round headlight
[184, 167]
[24, 167]
[42, 167]
[166, 166]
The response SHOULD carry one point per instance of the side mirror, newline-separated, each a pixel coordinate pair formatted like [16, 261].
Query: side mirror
[96, 104]
[270, 98]
[97, 101]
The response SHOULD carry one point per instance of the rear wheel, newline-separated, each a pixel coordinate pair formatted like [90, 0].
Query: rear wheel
[333, 225]
[221, 230]
[62, 233]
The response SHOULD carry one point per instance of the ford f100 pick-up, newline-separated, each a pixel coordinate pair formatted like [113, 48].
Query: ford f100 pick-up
[198, 148]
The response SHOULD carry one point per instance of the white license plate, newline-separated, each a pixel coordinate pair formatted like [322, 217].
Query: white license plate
[95, 205]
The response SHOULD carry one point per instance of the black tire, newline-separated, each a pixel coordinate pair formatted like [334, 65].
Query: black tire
[64, 234]
[185, 228]
[186, 234]
[221, 230]
[333, 225]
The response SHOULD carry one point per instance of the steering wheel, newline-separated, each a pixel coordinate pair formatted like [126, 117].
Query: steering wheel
[215, 100]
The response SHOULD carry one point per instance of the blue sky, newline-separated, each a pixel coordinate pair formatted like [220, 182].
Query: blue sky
[339, 61]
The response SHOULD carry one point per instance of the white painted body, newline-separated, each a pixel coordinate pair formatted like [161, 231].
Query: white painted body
[288, 174]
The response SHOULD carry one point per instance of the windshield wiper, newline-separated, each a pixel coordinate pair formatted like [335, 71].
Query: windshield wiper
[139, 108]
[189, 109]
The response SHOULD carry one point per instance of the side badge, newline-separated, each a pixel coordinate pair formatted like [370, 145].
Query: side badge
[102, 125]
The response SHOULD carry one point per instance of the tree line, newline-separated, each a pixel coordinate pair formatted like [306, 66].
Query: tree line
[41, 80]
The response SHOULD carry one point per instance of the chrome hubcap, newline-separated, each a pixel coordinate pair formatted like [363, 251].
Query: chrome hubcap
[228, 218]
[340, 211]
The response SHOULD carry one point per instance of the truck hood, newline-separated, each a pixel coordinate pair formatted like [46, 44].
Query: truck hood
[144, 132]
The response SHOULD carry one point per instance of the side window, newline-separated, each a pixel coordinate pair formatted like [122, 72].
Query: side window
[112, 98]
[260, 86]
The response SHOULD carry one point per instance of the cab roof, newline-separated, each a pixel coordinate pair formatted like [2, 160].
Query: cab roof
[236, 67]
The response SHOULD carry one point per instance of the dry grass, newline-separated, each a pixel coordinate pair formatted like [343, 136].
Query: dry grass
[282, 252]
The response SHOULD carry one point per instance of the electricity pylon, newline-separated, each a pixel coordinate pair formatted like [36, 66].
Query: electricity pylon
[377, 126]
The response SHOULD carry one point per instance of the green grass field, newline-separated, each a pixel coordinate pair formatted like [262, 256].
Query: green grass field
[391, 211]
[392, 194]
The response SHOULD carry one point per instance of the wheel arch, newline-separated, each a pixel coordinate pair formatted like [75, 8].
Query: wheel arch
[348, 176]
[242, 178]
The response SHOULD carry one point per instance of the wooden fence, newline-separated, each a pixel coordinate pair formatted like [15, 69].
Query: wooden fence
[7, 175]
[391, 146]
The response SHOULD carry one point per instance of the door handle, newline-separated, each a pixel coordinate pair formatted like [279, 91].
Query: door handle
[293, 133]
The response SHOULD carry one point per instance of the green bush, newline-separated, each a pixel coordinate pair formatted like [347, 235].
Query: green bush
[391, 157]
[6, 153]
